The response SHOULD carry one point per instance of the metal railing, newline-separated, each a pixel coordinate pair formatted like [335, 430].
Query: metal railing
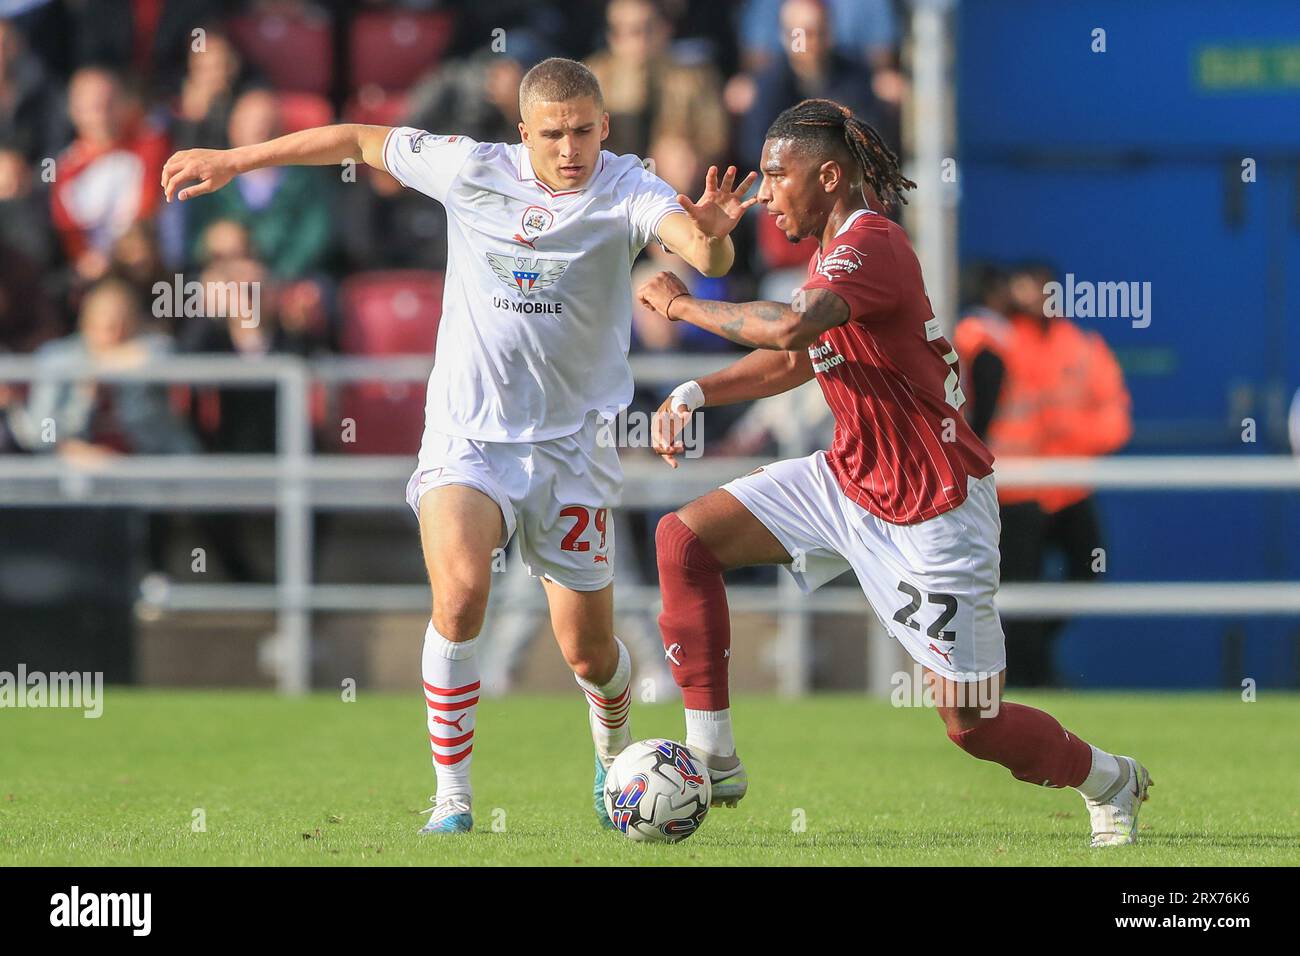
[294, 482]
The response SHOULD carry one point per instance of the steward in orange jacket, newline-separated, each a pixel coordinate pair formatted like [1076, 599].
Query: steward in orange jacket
[1040, 386]
[1060, 392]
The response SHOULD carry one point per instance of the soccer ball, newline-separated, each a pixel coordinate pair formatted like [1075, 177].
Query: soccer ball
[657, 791]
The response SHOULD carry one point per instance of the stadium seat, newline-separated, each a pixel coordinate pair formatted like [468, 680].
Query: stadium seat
[391, 313]
[388, 313]
[388, 417]
[376, 106]
[294, 52]
[392, 49]
[303, 111]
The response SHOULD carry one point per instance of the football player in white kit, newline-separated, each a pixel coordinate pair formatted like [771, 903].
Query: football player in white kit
[531, 361]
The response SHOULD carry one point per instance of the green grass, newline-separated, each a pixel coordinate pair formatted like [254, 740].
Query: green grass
[320, 781]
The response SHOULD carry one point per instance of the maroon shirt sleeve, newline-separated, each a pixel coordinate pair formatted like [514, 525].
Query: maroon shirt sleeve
[859, 268]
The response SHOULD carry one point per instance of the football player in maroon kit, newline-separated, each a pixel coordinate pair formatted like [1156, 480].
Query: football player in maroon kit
[905, 496]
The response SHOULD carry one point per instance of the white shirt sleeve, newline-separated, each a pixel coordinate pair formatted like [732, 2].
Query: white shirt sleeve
[425, 162]
[652, 199]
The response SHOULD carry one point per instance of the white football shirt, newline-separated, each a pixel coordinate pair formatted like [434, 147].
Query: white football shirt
[537, 304]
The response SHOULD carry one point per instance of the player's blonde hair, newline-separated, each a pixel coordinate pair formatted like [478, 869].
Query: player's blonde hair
[556, 80]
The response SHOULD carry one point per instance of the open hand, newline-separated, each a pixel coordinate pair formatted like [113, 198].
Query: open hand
[720, 207]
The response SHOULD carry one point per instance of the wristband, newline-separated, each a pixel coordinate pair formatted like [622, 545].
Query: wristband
[689, 394]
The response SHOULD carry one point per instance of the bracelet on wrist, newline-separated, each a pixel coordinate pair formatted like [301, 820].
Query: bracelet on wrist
[669, 307]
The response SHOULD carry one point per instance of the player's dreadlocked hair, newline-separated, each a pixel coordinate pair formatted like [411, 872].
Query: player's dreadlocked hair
[827, 125]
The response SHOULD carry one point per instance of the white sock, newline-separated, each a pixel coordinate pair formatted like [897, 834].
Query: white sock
[451, 689]
[710, 730]
[610, 704]
[1107, 770]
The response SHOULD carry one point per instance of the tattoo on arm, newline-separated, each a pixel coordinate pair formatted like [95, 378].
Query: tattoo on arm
[743, 322]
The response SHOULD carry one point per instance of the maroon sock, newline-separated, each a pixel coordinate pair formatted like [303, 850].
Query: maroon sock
[695, 622]
[1031, 744]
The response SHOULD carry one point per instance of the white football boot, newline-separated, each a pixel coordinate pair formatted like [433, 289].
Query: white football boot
[727, 777]
[1115, 817]
[450, 814]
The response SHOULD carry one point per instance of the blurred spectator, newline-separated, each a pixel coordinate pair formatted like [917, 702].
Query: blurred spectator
[285, 209]
[108, 178]
[241, 420]
[648, 93]
[679, 165]
[223, 241]
[135, 258]
[244, 420]
[701, 35]
[385, 226]
[88, 419]
[812, 68]
[147, 38]
[988, 291]
[863, 30]
[1058, 392]
[477, 96]
[24, 212]
[570, 30]
[32, 117]
[27, 315]
[214, 78]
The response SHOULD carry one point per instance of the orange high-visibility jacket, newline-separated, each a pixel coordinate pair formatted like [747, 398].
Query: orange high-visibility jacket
[1062, 394]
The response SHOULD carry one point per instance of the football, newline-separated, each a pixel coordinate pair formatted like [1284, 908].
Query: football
[657, 791]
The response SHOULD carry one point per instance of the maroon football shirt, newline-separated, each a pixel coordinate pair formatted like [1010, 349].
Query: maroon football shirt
[902, 449]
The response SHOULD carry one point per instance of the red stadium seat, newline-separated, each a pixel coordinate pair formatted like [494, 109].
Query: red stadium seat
[294, 52]
[392, 49]
[303, 111]
[375, 106]
[391, 313]
[388, 313]
[388, 417]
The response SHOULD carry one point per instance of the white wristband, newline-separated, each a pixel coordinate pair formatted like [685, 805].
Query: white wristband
[689, 394]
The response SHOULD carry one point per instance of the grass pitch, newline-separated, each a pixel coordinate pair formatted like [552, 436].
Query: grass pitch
[833, 780]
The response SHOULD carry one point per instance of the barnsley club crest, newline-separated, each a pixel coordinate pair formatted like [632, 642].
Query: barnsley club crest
[535, 221]
[526, 275]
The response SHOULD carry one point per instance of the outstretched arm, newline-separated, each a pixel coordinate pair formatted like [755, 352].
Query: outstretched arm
[321, 146]
[701, 234]
[760, 374]
[759, 325]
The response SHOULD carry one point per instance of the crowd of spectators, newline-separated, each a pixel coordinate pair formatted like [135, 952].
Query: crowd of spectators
[95, 95]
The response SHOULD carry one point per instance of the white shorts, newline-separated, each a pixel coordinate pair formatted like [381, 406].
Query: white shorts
[932, 584]
[557, 494]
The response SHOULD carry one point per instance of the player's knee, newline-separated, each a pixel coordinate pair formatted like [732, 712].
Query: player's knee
[591, 660]
[458, 616]
[677, 547]
[956, 720]
[667, 531]
[586, 666]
